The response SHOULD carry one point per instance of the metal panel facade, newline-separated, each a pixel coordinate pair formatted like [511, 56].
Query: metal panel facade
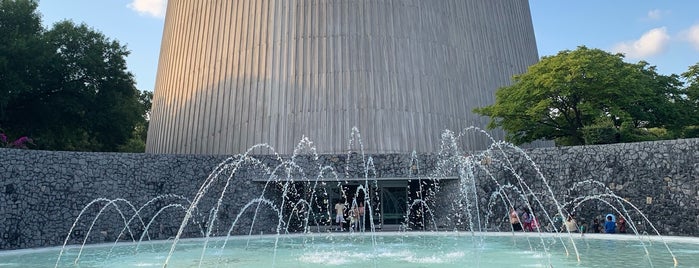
[235, 73]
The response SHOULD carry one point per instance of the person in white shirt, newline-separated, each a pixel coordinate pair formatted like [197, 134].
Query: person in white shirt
[571, 225]
[340, 210]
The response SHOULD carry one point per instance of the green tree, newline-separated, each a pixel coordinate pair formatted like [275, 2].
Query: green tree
[563, 96]
[67, 88]
[691, 92]
[93, 90]
[22, 56]
[137, 143]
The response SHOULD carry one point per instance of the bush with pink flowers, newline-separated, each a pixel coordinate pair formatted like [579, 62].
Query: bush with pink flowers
[20, 143]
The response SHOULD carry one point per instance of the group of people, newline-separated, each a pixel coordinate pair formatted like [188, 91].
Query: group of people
[611, 225]
[525, 221]
[355, 214]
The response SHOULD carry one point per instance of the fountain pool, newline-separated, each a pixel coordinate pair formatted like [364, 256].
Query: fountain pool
[291, 200]
[400, 249]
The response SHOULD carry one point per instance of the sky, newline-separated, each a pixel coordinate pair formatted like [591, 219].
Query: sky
[664, 33]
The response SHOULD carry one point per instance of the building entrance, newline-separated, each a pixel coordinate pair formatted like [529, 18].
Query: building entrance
[389, 200]
[393, 205]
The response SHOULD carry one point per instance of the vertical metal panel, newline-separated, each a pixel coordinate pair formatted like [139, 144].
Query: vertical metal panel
[234, 73]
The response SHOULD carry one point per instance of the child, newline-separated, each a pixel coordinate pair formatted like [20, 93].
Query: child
[609, 225]
[622, 225]
[527, 220]
[595, 226]
[535, 223]
[353, 218]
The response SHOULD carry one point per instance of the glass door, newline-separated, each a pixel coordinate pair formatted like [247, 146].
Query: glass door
[393, 201]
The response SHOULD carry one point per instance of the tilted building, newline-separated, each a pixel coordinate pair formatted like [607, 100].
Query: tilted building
[233, 74]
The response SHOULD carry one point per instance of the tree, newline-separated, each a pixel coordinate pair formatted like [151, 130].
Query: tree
[22, 54]
[691, 91]
[692, 77]
[563, 96]
[67, 88]
[94, 91]
[137, 143]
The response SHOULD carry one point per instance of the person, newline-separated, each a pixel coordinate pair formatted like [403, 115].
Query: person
[621, 223]
[514, 220]
[339, 218]
[613, 217]
[360, 211]
[571, 225]
[354, 217]
[609, 225]
[557, 223]
[596, 228]
[535, 223]
[527, 220]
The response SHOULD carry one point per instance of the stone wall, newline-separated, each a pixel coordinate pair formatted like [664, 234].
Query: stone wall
[661, 178]
[654, 180]
[43, 193]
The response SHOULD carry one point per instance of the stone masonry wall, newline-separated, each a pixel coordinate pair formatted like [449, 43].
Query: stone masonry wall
[43, 193]
[660, 179]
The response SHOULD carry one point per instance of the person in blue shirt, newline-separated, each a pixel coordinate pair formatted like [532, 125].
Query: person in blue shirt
[609, 225]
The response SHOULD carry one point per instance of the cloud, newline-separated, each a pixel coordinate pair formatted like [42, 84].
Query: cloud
[651, 43]
[692, 35]
[155, 8]
[657, 14]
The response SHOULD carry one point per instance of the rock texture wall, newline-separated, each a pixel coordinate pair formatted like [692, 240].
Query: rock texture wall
[660, 179]
[43, 193]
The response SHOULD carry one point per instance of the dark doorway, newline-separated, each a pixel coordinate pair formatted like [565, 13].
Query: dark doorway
[394, 201]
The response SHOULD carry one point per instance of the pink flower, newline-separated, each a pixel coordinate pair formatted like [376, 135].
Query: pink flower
[20, 143]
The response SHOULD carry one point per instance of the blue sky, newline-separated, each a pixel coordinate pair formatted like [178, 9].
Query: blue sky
[663, 33]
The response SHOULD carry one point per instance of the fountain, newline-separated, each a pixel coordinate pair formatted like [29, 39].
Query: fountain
[453, 214]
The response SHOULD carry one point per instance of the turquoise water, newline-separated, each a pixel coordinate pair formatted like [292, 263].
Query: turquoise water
[385, 250]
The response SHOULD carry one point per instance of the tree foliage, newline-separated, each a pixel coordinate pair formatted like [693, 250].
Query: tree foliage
[21, 51]
[692, 108]
[67, 87]
[588, 96]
